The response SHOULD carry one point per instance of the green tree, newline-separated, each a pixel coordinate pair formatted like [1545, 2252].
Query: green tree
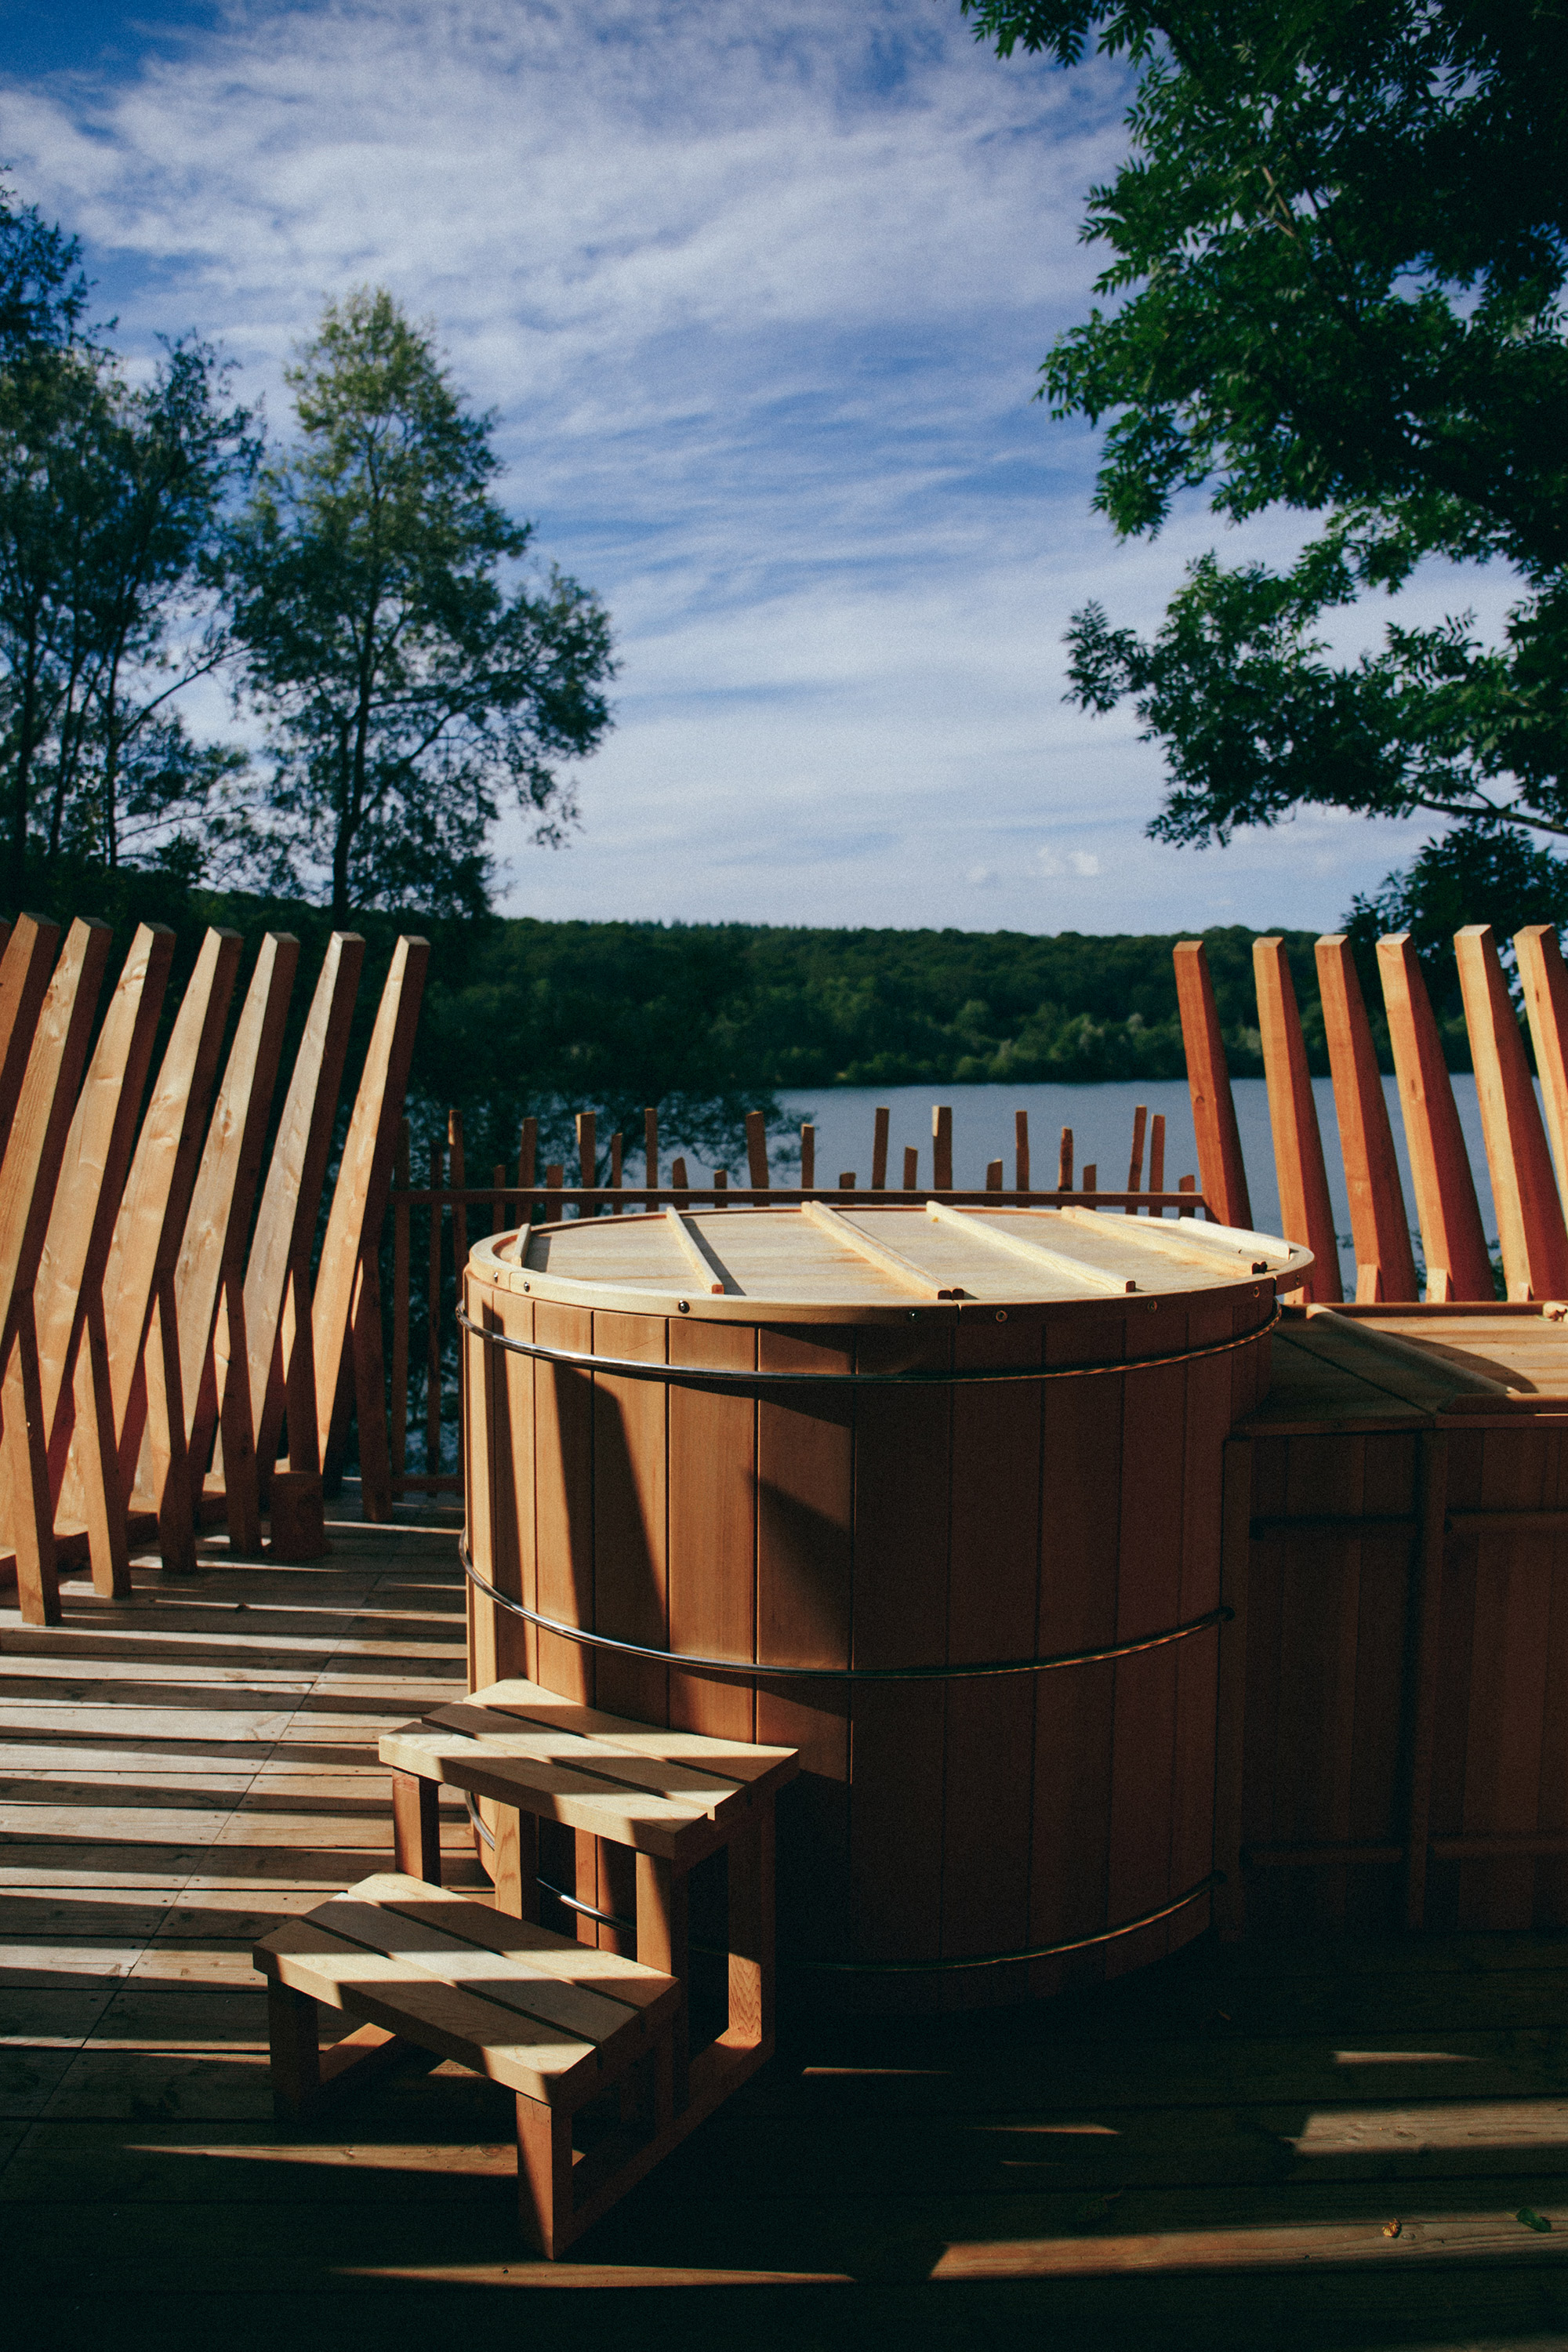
[406, 686]
[1336, 259]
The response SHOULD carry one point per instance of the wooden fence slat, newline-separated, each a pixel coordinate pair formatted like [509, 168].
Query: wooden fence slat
[29, 1171]
[911, 1168]
[25, 968]
[291, 1198]
[1380, 1223]
[1222, 1172]
[401, 1266]
[1064, 1162]
[808, 1156]
[1157, 1157]
[1452, 1241]
[1529, 1213]
[69, 1293]
[1020, 1150]
[879, 1125]
[138, 1285]
[364, 1174]
[1544, 980]
[941, 1147]
[528, 1148]
[211, 1250]
[458, 1173]
[1305, 1216]
[757, 1150]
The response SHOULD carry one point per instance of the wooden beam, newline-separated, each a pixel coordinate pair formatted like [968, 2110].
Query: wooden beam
[25, 968]
[1544, 981]
[878, 1253]
[1305, 1216]
[30, 1171]
[1039, 1253]
[1380, 1222]
[212, 1248]
[1452, 1241]
[1222, 1172]
[701, 1267]
[364, 1178]
[291, 1194]
[1524, 1194]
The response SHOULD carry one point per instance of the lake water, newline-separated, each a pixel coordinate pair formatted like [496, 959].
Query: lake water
[1100, 1118]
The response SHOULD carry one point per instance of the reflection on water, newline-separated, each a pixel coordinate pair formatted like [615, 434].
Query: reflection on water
[1100, 1118]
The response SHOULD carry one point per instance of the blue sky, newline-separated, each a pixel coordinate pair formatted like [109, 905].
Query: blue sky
[758, 289]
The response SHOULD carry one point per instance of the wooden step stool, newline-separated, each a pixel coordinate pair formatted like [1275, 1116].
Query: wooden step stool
[674, 1797]
[559, 2023]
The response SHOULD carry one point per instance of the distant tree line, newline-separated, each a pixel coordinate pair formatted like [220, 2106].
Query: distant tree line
[399, 669]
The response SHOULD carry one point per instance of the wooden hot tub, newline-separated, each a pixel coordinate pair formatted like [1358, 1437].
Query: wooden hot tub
[932, 1495]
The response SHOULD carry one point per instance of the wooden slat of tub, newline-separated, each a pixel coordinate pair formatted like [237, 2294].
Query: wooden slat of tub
[1378, 1762]
[630, 1561]
[517, 1554]
[903, 1487]
[1454, 1646]
[483, 1375]
[1081, 1489]
[563, 1507]
[1507, 1679]
[1208, 1418]
[1148, 1597]
[1550, 1904]
[713, 1529]
[994, 1572]
[805, 1559]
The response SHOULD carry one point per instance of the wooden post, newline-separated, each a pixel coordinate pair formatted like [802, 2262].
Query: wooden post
[650, 1155]
[30, 1171]
[279, 1264]
[880, 1149]
[678, 1176]
[1380, 1224]
[457, 1176]
[69, 1292]
[1188, 1184]
[720, 1184]
[1305, 1216]
[994, 1176]
[847, 1179]
[25, 968]
[1091, 1177]
[1221, 1170]
[1528, 1212]
[757, 1150]
[1135, 1164]
[211, 1252]
[1544, 981]
[941, 1147]
[1452, 1241]
[587, 1148]
[138, 1285]
[1020, 1150]
[912, 1168]
[432, 1318]
[401, 1264]
[808, 1157]
[365, 1175]
[527, 1151]
[617, 1142]
[1157, 1157]
[1064, 1162]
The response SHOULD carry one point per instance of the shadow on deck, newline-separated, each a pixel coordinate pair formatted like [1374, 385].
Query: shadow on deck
[1215, 2152]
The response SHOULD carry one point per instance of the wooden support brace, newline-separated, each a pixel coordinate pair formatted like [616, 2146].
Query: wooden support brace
[664, 1942]
[415, 1826]
[1452, 1241]
[1524, 1193]
[1305, 1216]
[1385, 1263]
[29, 1529]
[1222, 1173]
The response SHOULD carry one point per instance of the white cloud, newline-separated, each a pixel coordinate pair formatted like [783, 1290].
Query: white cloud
[758, 289]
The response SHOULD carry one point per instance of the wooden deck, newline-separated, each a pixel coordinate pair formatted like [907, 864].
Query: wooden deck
[1215, 2152]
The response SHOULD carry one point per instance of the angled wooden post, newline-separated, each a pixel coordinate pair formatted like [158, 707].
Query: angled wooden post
[211, 1250]
[29, 1171]
[25, 968]
[1452, 1241]
[1222, 1171]
[1305, 1214]
[78, 1410]
[1544, 981]
[277, 1275]
[358, 1204]
[138, 1285]
[1380, 1224]
[1524, 1194]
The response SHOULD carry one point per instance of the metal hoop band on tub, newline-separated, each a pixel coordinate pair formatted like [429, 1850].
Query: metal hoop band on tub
[754, 1669]
[898, 1967]
[708, 1376]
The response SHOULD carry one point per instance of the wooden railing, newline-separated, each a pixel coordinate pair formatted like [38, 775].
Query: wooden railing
[431, 1226]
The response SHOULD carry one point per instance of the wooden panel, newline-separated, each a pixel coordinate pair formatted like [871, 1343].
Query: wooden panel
[35, 1147]
[291, 1196]
[988, 1762]
[219, 1220]
[364, 1172]
[1305, 1214]
[805, 1551]
[1452, 1241]
[713, 1529]
[1543, 981]
[1385, 1267]
[1528, 1212]
[25, 968]
[1222, 1173]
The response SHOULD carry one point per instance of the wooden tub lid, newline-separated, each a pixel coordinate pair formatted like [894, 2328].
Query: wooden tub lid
[810, 1262]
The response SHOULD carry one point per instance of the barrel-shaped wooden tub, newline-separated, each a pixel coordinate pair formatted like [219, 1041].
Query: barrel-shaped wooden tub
[933, 1497]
